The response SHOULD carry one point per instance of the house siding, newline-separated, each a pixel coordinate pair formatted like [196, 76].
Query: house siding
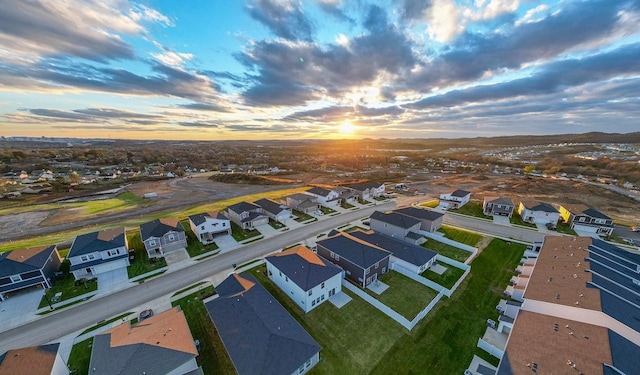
[394, 231]
[455, 202]
[352, 271]
[312, 362]
[102, 267]
[212, 227]
[537, 217]
[164, 244]
[410, 266]
[586, 223]
[184, 368]
[490, 209]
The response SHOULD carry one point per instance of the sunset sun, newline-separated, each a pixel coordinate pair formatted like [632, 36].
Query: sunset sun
[346, 128]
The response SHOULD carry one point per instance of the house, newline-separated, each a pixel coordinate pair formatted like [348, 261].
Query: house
[456, 199]
[260, 336]
[98, 252]
[362, 262]
[274, 210]
[33, 360]
[397, 225]
[161, 344]
[162, 236]
[586, 219]
[430, 221]
[535, 212]
[345, 194]
[366, 190]
[26, 268]
[497, 206]
[411, 257]
[305, 277]
[207, 225]
[327, 198]
[302, 202]
[247, 215]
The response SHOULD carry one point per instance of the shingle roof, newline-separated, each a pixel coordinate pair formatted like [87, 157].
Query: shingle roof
[158, 345]
[499, 200]
[582, 209]
[460, 193]
[362, 186]
[357, 251]
[33, 360]
[98, 241]
[301, 197]
[159, 227]
[420, 214]
[24, 260]
[97, 261]
[305, 268]
[251, 217]
[243, 207]
[319, 191]
[200, 218]
[260, 336]
[396, 219]
[533, 205]
[270, 206]
[414, 254]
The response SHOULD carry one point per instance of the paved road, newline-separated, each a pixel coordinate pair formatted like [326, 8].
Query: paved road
[488, 227]
[55, 325]
[625, 232]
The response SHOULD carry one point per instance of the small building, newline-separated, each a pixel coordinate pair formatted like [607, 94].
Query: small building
[327, 198]
[398, 226]
[430, 221]
[98, 252]
[207, 225]
[411, 257]
[162, 344]
[274, 210]
[304, 276]
[362, 262]
[302, 202]
[247, 215]
[585, 219]
[26, 268]
[456, 199]
[260, 336]
[33, 360]
[366, 190]
[497, 206]
[535, 212]
[162, 236]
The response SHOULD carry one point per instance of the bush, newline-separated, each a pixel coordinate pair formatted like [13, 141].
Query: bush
[65, 267]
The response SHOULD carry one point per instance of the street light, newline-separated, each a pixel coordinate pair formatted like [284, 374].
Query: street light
[46, 290]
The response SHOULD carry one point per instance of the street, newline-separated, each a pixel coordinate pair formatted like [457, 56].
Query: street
[488, 227]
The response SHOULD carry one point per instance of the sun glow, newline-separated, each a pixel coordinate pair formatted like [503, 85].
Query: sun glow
[346, 127]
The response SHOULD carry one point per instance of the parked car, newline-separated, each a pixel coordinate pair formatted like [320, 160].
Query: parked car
[635, 229]
[145, 314]
[550, 226]
[319, 213]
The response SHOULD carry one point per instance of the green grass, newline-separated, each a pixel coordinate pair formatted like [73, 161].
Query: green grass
[353, 228]
[276, 224]
[445, 341]
[143, 279]
[430, 204]
[448, 277]
[363, 201]
[68, 289]
[472, 208]
[248, 263]
[213, 356]
[102, 324]
[346, 205]
[352, 338]
[565, 228]
[404, 296]
[188, 288]
[446, 250]
[327, 210]
[141, 263]
[517, 220]
[240, 234]
[301, 216]
[194, 246]
[80, 357]
[462, 236]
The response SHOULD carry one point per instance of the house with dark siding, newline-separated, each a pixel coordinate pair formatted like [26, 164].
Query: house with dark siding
[302, 202]
[497, 206]
[430, 221]
[162, 236]
[396, 225]
[26, 268]
[586, 219]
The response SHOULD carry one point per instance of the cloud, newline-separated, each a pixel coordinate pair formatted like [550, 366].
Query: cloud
[333, 8]
[415, 9]
[198, 124]
[444, 20]
[285, 18]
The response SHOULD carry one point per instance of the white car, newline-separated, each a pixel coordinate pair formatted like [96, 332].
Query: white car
[319, 213]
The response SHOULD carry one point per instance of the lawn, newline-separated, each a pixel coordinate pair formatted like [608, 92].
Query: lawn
[327, 210]
[80, 357]
[404, 296]
[141, 264]
[102, 324]
[472, 208]
[446, 250]
[565, 228]
[353, 228]
[213, 356]
[66, 285]
[517, 220]
[363, 201]
[346, 205]
[460, 235]
[430, 204]
[352, 338]
[301, 216]
[276, 224]
[240, 234]
[445, 341]
[448, 277]
[194, 246]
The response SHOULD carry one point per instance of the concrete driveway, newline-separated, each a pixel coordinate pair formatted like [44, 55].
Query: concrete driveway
[20, 307]
[501, 220]
[111, 281]
[226, 243]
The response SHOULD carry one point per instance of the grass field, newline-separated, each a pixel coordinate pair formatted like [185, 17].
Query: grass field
[276, 224]
[301, 216]
[460, 235]
[446, 250]
[346, 205]
[404, 296]
[472, 208]
[447, 279]
[102, 324]
[80, 357]
[430, 204]
[141, 263]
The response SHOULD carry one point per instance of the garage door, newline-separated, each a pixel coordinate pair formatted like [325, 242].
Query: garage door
[110, 266]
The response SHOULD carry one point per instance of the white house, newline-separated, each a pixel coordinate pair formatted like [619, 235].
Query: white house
[208, 225]
[276, 211]
[98, 252]
[327, 198]
[456, 199]
[366, 190]
[538, 212]
[305, 277]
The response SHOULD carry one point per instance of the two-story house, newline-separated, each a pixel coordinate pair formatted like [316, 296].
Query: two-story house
[162, 236]
[247, 215]
[583, 218]
[302, 202]
[366, 190]
[497, 206]
[207, 225]
[327, 198]
[98, 252]
[33, 360]
[274, 210]
[456, 199]
[304, 276]
[346, 195]
[26, 268]
[535, 212]
[396, 225]
[430, 221]
[362, 262]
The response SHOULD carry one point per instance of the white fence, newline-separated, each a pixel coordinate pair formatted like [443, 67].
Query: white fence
[378, 305]
[433, 285]
[484, 345]
[448, 241]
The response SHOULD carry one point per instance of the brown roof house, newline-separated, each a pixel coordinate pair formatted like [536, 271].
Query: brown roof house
[34, 360]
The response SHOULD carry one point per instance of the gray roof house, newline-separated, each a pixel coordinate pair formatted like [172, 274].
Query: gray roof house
[25, 268]
[326, 197]
[274, 210]
[247, 215]
[33, 360]
[161, 344]
[456, 199]
[498, 206]
[302, 202]
[162, 236]
[397, 225]
[260, 336]
[98, 252]
[430, 221]
[366, 190]
[208, 225]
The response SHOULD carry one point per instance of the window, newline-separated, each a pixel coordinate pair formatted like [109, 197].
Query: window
[318, 300]
[280, 272]
[286, 279]
[202, 227]
[337, 257]
[301, 369]
[172, 237]
[152, 242]
[16, 278]
[348, 272]
[92, 257]
[313, 302]
[322, 297]
[377, 264]
[332, 255]
[384, 269]
[308, 363]
[311, 292]
[224, 224]
[581, 219]
[322, 286]
[84, 258]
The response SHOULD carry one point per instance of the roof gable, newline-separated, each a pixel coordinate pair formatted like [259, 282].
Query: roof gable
[414, 254]
[98, 241]
[460, 193]
[357, 251]
[270, 206]
[396, 219]
[159, 227]
[499, 200]
[538, 206]
[201, 218]
[319, 191]
[304, 267]
[418, 213]
[243, 207]
[24, 260]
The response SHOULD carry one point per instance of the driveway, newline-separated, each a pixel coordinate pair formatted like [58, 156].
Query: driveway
[226, 243]
[501, 220]
[111, 281]
[19, 308]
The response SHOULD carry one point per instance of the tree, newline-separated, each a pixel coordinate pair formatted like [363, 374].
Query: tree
[529, 169]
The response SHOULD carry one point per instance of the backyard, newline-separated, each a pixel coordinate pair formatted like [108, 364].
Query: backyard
[405, 296]
[446, 250]
[448, 277]
[141, 263]
[460, 235]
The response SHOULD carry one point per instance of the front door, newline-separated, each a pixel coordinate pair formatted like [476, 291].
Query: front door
[332, 292]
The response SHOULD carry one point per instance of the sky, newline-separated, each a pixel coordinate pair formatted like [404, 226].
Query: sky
[314, 69]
